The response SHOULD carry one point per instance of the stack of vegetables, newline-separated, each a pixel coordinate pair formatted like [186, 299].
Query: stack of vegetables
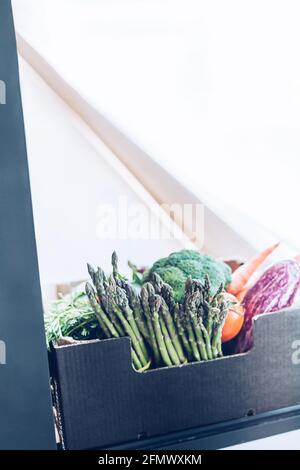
[184, 307]
[162, 330]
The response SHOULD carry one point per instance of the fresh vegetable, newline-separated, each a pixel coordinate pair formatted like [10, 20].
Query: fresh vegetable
[241, 276]
[177, 267]
[181, 312]
[275, 289]
[240, 296]
[197, 320]
[72, 316]
[163, 332]
[234, 319]
[112, 310]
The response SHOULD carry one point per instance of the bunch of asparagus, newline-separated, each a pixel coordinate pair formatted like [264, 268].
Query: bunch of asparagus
[162, 331]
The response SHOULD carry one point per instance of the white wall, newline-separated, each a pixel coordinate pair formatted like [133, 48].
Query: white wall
[69, 179]
[211, 89]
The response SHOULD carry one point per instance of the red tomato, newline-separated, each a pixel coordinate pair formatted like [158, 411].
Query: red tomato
[234, 319]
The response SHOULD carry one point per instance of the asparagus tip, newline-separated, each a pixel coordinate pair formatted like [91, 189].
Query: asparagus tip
[89, 289]
[91, 270]
[114, 262]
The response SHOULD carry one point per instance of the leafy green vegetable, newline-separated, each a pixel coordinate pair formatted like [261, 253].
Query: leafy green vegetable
[178, 266]
[71, 316]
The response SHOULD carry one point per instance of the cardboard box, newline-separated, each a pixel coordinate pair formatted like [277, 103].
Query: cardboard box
[102, 401]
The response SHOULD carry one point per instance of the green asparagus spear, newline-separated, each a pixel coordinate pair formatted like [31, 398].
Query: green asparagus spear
[139, 315]
[138, 322]
[217, 333]
[98, 283]
[165, 313]
[123, 303]
[191, 309]
[168, 342]
[168, 307]
[91, 271]
[114, 300]
[192, 340]
[206, 339]
[136, 362]
[114, 262]
[155, 303]
[120, 280]
[99, 277]
[134, 302]
[157, 283]
[164, 290]
[102, 318]
[206, 290]
[186, 322]
[146, 309]
[181, 330]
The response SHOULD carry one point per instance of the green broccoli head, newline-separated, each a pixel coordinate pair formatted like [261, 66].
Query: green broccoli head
[175, 278]
[176, 268]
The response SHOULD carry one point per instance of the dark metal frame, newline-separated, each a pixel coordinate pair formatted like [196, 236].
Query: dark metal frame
[26, 418]
[224, 434]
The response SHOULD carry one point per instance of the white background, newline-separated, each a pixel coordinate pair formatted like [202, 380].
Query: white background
[211, 89]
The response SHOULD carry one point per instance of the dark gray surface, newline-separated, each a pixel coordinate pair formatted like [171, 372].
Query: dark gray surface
[224, 434]
[104, 402]
[26, 420]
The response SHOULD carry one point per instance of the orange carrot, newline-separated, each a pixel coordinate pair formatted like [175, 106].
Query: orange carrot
[241, 276]
[240, 296]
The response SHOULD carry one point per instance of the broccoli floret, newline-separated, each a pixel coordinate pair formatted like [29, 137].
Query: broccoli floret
[175, 269]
